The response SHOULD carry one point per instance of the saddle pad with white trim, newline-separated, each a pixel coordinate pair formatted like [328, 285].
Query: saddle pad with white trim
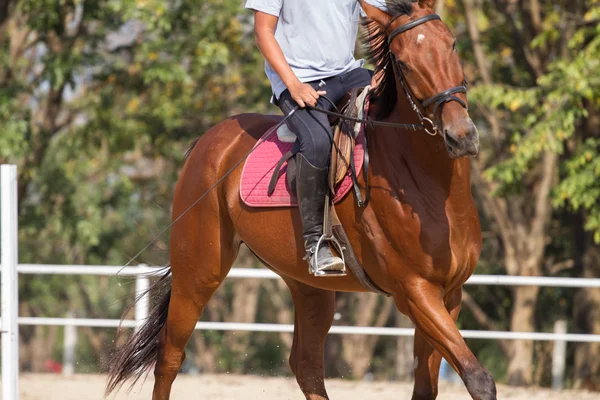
[260, 165]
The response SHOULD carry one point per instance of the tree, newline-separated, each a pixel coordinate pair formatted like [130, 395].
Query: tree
[98, 102]
[535, 86]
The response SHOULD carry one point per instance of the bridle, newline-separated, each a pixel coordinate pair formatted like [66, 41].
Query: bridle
[437, 100]
[419, 107]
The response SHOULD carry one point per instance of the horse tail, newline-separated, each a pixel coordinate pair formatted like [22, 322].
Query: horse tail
[139, 354]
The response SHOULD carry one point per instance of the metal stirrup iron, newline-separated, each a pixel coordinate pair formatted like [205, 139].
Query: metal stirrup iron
[326, 238]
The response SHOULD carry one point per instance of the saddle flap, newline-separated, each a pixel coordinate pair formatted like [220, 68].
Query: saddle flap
[344, 138]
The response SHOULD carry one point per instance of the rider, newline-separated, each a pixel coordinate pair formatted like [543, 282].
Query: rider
[306, 42]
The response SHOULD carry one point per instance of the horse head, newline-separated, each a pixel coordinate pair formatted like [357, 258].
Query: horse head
[415, 55]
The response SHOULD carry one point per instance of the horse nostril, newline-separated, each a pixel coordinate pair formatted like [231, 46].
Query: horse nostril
[450, 140]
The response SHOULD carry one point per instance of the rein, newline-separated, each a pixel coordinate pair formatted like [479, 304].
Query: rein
[369, 121]
[438, 100]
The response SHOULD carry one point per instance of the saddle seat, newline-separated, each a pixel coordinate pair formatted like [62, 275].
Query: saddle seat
[260, 186]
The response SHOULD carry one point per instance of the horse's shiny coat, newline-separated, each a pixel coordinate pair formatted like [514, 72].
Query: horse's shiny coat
[419, 238]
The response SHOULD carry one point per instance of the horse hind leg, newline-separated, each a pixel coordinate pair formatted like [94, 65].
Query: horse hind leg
[313, 316]
[199, 262]
[428, 360]
[436, 325]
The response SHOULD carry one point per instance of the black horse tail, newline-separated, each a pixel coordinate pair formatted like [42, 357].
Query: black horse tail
[139, 353]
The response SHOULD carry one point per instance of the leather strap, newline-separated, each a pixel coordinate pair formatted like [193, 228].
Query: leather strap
[366, 162]
[448, 94]
[350, 257]
[411, 25]
[277, 171]
[411, 127]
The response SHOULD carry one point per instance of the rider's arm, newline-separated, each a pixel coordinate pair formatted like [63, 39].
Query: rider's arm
[264, 29]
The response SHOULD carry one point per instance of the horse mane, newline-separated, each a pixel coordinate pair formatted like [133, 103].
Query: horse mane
[375, 39]
[188, 152]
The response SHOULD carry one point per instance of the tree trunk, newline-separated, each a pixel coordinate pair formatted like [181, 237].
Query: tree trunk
[243, 309]
[205, 356]
[587, 320]
[357, 350]
[404, 350]
[520, 363]
[42, 347]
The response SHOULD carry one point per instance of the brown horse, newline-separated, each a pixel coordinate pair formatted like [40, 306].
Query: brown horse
[419, 238]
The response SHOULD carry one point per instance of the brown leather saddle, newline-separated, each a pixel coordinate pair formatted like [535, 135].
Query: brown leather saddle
[342, 160]
[344, 141]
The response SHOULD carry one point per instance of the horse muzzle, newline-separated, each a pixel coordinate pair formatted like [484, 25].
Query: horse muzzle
[462, 140]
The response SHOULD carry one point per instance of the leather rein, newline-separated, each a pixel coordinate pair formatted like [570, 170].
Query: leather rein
[426, 124]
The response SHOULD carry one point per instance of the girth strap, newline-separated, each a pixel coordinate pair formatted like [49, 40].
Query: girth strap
[350, 257]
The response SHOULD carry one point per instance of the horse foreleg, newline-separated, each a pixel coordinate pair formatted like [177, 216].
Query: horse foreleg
[428, 360]
[432, 319]
[313, 316]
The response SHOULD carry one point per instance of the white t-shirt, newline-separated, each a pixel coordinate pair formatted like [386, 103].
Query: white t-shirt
[317, 36]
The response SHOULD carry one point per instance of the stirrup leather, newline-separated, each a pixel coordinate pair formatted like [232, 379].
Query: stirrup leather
[323, 240]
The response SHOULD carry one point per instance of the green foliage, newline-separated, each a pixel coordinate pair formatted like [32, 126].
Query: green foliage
[100, 98]
[551, 115]
[98, 102]
[579, 187]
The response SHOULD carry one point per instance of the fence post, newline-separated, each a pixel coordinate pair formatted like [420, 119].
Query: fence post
[559, 357]
[70, 348]
[10, 300]
[142, 283]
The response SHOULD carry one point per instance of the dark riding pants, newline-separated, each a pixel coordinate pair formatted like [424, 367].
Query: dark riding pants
[315, 136]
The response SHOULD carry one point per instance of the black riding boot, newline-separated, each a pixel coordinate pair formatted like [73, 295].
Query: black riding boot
[311, 188]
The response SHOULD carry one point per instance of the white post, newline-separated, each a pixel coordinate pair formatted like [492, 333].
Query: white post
[70, 348]
[142, 283]
[10, 300]
[559, 356]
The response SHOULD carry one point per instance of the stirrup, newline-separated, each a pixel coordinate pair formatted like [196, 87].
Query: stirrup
[340, 249]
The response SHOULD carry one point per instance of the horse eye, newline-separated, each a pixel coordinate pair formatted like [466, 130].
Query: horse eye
[403, 66]
[454, 46]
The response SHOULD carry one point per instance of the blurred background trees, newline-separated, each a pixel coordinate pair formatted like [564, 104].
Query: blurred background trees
[100, 99]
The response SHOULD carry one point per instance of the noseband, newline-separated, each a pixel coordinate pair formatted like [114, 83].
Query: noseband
[437, 100]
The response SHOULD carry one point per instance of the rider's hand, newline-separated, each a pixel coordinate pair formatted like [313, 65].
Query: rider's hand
[305, 95]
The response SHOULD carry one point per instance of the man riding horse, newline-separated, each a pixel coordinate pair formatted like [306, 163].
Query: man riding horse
[419, 237]
[309, 44]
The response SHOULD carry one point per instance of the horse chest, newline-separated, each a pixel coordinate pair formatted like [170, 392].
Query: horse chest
[410, 232]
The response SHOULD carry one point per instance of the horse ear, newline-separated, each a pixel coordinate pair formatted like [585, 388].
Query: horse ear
[427, 3]
[375, 14]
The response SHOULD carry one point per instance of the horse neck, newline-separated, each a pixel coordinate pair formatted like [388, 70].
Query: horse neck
[424, 156]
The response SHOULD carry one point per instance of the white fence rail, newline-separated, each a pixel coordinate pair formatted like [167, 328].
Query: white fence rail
[142, 274]
[495, 280]
[10, 269]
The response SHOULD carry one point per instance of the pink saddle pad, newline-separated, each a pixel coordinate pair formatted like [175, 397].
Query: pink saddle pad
[260, 165]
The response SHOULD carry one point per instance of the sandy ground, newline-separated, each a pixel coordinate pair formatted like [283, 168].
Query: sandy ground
[230, 387]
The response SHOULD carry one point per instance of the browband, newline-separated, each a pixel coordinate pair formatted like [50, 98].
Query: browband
[411, 25]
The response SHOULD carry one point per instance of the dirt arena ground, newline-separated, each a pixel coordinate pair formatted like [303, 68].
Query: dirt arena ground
[230, 387]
